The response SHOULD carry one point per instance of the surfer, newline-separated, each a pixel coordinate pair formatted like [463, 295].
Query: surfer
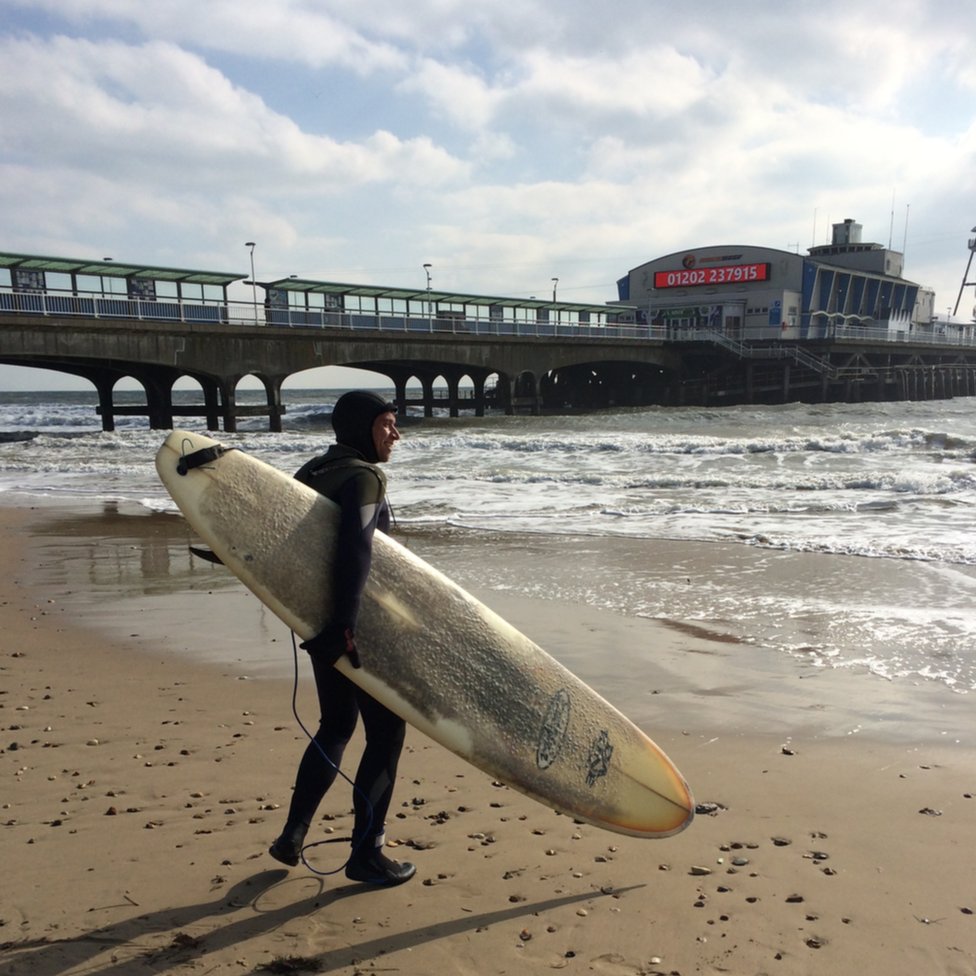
[349, 474]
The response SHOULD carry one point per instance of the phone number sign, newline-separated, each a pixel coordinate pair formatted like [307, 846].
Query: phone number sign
[727, 274]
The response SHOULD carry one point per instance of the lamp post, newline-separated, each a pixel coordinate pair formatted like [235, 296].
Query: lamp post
[555, 282]
[254, 283]
[430, 314]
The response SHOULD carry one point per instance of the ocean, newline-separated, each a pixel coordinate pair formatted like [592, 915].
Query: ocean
[831, 537]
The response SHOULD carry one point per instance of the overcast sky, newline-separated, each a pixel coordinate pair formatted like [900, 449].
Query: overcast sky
[504, 142]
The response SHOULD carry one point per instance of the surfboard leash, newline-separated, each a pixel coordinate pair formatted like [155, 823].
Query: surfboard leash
[322, 753]
[197, 459]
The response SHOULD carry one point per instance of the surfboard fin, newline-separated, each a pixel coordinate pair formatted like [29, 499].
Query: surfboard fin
[207, 554]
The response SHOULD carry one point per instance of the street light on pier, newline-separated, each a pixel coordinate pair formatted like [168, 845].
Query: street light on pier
[430, 313]
[555, 282]
[254, 283]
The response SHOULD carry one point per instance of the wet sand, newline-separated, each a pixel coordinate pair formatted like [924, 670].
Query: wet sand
[148, 753]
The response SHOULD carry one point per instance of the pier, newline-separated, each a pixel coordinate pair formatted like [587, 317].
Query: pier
[467, 353]
[509, 372]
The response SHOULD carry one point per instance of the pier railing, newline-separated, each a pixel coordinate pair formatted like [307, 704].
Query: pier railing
[751, 342]
[243, 314]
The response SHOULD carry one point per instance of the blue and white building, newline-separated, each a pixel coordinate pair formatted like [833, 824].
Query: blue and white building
[847, 287]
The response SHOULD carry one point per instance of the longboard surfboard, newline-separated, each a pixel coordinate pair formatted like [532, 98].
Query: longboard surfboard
[430, 651]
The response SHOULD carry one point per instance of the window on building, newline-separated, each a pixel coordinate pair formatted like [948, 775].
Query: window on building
[89, 283]
[58, 281]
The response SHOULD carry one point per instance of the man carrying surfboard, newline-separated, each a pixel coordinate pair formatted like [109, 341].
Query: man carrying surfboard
[349, 474]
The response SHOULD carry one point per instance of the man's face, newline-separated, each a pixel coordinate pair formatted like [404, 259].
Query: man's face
[385, 435]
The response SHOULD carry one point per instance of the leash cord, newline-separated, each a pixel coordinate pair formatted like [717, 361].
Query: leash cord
[322, 753]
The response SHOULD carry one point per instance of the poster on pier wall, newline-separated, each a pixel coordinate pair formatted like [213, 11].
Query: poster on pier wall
[28, 280]
[143, 289]
[276, 309]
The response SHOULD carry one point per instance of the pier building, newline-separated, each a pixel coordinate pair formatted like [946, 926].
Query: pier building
[758, 293]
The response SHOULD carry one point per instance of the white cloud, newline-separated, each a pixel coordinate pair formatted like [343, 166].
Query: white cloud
[287, 30]
[653, 82]
[157, 112]
[456, 91]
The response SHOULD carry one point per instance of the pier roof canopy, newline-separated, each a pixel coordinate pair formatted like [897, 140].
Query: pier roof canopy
[422, 295]
[114, 269]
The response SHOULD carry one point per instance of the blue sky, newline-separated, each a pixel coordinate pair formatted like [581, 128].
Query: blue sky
[503, 142]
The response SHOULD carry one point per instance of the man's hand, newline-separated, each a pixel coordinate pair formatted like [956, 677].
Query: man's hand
[331, 644]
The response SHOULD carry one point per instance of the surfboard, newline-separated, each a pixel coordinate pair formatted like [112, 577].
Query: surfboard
[430, 651]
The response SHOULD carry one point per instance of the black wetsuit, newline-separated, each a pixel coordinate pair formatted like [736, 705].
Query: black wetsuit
[359, 488]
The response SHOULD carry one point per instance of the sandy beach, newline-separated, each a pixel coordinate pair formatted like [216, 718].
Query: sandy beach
[142, 786]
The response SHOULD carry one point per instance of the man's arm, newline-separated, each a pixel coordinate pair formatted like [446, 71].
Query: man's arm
[360, 501]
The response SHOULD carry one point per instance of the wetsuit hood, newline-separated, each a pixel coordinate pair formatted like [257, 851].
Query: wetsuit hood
[352, 420]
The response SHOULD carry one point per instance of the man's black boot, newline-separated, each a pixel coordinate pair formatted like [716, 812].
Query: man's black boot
[286, 851]
[375, 868]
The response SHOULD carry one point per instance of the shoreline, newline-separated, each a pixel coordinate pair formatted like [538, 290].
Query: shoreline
[142, 788]
[126, 573]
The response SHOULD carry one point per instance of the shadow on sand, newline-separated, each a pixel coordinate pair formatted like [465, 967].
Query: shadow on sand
[125, 940]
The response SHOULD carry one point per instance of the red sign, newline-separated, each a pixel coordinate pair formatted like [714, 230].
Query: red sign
[726, 274]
